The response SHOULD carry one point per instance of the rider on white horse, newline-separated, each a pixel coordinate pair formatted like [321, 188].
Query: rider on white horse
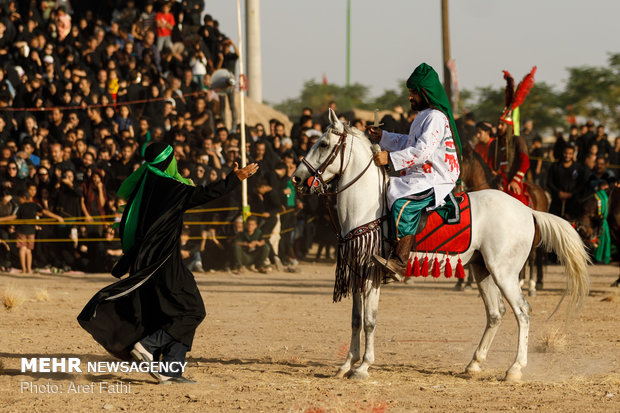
[427, 161]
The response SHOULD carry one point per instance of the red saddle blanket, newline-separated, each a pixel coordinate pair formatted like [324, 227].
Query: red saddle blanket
[439, 236]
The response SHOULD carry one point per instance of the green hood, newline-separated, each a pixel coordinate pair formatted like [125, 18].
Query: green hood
[137, 180]
[425, 80]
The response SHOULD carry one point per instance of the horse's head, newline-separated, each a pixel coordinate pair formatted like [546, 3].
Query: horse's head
[324, 161]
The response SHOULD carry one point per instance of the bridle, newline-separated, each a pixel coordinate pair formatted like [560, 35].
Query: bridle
[317, 173]
[319, 182]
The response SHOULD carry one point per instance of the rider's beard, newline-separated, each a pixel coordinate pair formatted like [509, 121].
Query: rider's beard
[418, 106]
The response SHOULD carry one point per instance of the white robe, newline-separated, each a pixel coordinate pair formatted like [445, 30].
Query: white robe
[426, 158]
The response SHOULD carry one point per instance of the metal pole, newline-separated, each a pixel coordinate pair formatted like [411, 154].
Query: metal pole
[244, 183]
[445, 25]
[252, 33]
[348, 77]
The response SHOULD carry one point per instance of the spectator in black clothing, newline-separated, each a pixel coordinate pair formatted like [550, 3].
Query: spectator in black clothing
[281, 184]
[573, 135]
[614, 157]
[602, 177]
[305, 122]
[604, 147]
[466, 126]
[250, 248]
[102, 256]
[28, 209]
[529, 134]
[583, 143]
[265, 203]
[558, 146]
[190, 252]
[227, 57]
[566, 182]
[537, 154]
[124, 166]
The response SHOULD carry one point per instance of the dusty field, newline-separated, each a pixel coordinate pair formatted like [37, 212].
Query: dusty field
[273, 342]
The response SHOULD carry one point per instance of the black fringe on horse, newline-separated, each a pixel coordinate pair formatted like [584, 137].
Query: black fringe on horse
[354, 266]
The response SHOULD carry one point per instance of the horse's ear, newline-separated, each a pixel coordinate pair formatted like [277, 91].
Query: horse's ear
[333, 118]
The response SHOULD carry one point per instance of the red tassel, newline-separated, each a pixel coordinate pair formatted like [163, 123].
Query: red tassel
[460, 271]
[416, 267]
[424, 269]
[448, 270]
[408, 272]
[436, 270]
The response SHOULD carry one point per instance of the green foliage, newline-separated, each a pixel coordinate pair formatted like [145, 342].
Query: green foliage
[391, 98]
[317, 96]
[594, 92]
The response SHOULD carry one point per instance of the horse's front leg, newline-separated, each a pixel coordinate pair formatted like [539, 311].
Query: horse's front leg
[356, 335]
[371, 307]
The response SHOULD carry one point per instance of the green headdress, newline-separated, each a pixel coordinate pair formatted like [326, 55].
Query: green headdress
[425, 80]
[157, 156]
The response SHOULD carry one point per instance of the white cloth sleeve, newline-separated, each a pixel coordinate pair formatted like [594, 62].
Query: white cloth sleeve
[391, 141]
[433, 131]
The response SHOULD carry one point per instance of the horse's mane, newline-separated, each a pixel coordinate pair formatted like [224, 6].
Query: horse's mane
[352, 130]
[356, 132]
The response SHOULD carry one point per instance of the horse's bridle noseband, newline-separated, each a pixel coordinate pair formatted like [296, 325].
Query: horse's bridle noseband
[318, 172]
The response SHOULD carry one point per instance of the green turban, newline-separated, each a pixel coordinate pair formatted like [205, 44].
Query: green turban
[425, 80]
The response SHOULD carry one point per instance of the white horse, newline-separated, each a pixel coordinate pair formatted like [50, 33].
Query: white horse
[503, 232]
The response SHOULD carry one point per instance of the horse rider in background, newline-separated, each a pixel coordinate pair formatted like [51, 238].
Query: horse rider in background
[424, 165]
[508, 155]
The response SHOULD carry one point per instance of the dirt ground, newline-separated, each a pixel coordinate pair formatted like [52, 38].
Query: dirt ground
[273, 342]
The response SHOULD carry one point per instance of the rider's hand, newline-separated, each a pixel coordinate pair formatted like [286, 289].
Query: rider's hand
[514, 187]
[381, 158]
[246, 172]
[374, 133]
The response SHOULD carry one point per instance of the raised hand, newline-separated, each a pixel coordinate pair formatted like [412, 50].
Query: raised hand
[246, 172]
[374, 133]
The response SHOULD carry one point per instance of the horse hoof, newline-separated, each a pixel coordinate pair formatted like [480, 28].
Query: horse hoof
[513, 376]
[341, 373]
[359, 375]
[473, 369]
[532, 293]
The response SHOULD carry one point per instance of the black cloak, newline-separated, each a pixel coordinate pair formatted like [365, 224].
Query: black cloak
[160, 291]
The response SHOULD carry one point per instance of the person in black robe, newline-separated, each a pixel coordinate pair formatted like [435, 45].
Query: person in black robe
[156, 310]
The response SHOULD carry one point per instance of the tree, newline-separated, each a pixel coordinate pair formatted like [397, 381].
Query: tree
[594, 92]
[317, 96]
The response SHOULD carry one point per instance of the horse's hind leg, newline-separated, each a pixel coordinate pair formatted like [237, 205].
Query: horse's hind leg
[356, 335]
[531, 262]
[371, 306]
[494, 305]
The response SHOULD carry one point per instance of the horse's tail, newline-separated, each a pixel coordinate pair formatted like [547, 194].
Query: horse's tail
[559, 236]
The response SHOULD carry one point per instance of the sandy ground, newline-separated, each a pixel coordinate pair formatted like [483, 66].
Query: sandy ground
[273, 343]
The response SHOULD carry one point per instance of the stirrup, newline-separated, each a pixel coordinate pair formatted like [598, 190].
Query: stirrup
[387, 273]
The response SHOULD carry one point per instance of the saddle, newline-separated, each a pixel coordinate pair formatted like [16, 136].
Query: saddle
[447, 229]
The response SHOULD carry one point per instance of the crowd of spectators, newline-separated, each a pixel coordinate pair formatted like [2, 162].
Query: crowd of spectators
[83, 90]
